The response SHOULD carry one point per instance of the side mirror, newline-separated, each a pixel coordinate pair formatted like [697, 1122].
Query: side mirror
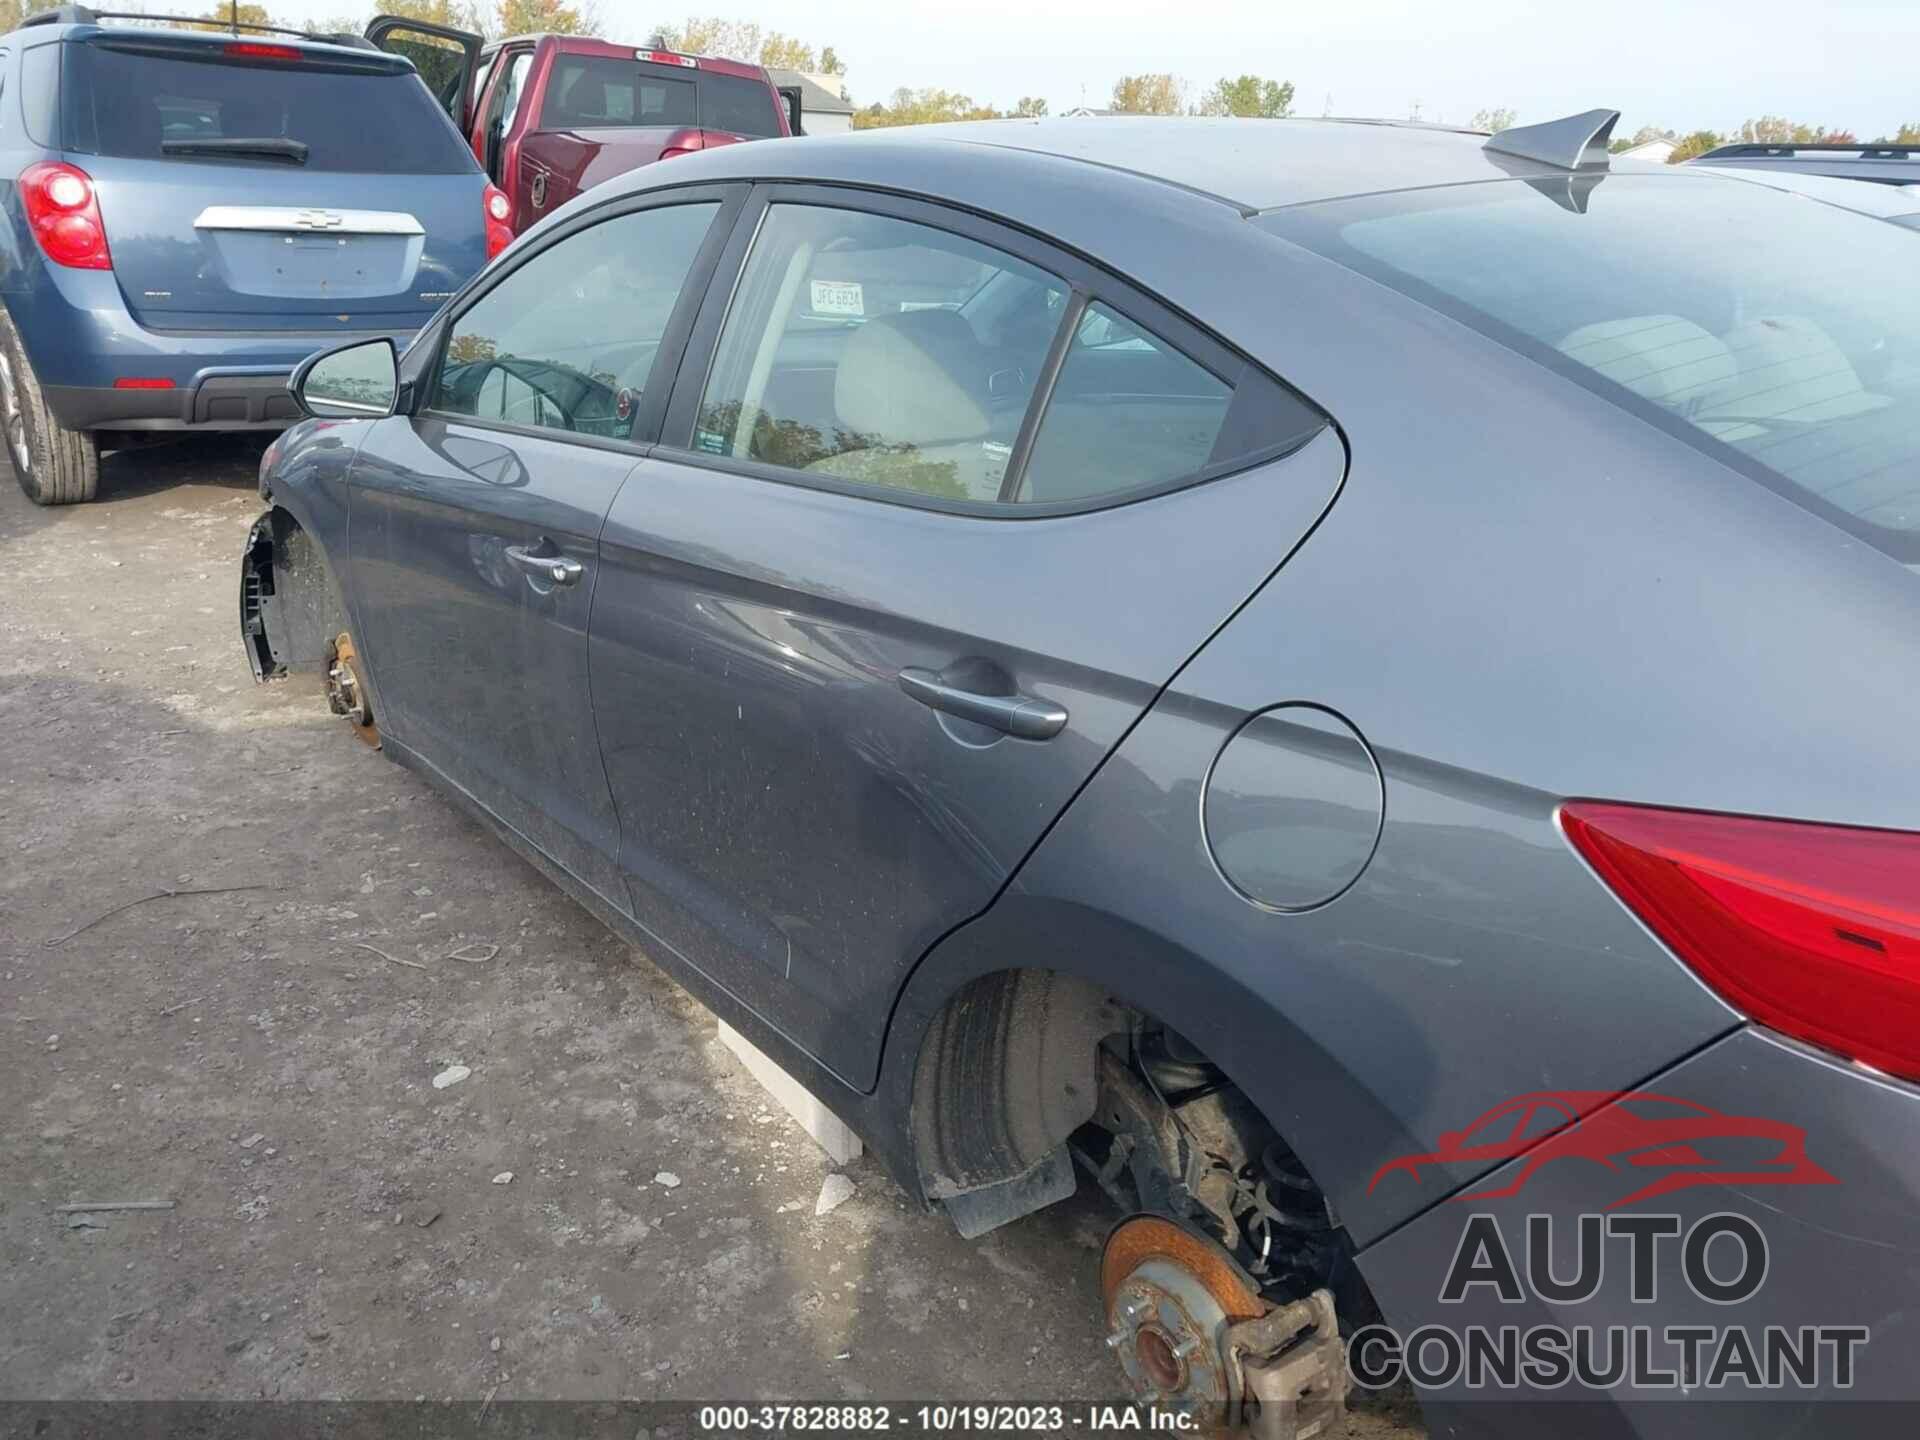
[354, 382]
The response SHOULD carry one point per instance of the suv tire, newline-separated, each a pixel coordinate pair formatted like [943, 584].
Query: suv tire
[54, 465]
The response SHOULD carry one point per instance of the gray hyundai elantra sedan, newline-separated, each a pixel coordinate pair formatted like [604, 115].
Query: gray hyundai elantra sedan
[1350, 686]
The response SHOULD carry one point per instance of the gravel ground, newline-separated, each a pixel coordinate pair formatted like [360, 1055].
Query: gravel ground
[264, 1057]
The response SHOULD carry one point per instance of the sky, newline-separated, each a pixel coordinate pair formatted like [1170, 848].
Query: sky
[1685, 64]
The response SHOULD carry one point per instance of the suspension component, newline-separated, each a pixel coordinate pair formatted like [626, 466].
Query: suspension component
[347, 692]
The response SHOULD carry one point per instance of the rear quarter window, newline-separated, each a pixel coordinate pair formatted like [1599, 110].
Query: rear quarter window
[737, 105]
[40, 92]
[131, 104]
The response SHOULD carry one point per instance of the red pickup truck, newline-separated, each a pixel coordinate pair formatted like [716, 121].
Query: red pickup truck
[552, 115]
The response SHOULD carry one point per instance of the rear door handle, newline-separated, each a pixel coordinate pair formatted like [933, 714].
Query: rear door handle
[554, 569]
[1018, 715]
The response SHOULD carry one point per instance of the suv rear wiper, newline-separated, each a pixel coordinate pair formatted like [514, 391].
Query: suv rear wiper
[267, 147]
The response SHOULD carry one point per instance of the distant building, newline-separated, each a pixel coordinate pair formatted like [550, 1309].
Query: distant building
[1084, 112]
[1658, 151]
[823, 104]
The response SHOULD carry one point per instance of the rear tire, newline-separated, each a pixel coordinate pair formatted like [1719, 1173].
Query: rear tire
[54, 465]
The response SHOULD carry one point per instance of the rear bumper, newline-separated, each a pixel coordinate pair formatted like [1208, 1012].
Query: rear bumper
[1842, 1254]
[81, 339]
[217, 402]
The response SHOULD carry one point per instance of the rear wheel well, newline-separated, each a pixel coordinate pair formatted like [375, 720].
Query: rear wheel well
[1023, 1070]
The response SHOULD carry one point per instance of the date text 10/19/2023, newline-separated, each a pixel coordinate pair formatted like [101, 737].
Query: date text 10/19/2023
[911, 1419]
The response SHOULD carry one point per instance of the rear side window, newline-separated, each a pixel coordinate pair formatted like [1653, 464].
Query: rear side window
[849, 357]
[586, 92]
[144, 106]
[738, 105]
[870, 350]
[1693, 302]
[40, 92]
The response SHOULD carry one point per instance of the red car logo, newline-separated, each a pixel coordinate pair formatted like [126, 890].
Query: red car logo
[1627, 1131]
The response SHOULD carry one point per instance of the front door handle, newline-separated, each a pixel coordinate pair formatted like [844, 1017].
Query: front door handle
[1018, 715]
[554, 569]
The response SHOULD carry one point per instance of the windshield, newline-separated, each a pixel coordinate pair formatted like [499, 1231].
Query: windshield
[1776, 333]
[193, 111]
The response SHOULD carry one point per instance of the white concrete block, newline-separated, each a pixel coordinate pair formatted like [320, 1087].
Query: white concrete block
[826, 1128]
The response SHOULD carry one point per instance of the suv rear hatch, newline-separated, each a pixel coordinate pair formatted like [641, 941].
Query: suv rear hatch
[247, 185]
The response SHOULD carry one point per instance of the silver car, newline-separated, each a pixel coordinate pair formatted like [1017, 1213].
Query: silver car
[1349, 686]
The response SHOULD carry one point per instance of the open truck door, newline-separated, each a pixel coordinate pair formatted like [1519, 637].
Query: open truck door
[446, 58]
[791, 95]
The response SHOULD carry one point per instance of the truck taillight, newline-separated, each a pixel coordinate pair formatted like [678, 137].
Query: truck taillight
[683, 142]
[499, 211]
[64, 214]
[1813, 930]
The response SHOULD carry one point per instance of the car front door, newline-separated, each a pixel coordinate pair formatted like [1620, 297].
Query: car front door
[925, 534]
[475, 519]
[446, 59]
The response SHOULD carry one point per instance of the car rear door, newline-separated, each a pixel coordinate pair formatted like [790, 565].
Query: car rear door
[253, 185]
[476, 518]
[905, 566]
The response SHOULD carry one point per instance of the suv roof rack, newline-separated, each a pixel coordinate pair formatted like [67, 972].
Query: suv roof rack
[1866, 150]
[1577, 142]
[86, 15]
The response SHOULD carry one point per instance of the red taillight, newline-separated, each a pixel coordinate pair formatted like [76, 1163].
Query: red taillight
[142, 382]
[65, 215]
[667, 57]
[1811, 929]
[254, 50]
[498, 210]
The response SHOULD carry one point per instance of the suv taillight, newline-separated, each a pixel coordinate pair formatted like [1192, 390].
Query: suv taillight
[1811, 929]
[64, 215]
[499, 211]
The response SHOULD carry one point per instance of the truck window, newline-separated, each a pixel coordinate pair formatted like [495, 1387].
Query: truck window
[502, 105]
[735, 104]
[589, 92]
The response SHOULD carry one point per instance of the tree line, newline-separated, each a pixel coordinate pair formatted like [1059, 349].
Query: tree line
[1149, 93]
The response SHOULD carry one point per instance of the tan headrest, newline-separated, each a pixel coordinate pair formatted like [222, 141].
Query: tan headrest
[915, 378]
[1664, 358]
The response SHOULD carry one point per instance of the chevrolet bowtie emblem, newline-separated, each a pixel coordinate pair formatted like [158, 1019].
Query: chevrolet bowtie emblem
[319, 219]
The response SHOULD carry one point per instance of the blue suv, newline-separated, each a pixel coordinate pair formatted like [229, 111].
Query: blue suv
[189, 214]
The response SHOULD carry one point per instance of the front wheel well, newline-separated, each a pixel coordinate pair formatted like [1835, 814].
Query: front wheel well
[290, 609]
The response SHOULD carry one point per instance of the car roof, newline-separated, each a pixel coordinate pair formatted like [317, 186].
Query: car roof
[1885, 201]
[1885, 164]
[1254, 165]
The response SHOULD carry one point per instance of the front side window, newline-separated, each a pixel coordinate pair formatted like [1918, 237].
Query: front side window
[849, 354]
[1698, 302]
[567, 341]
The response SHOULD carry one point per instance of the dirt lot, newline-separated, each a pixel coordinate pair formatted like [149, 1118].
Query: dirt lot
[340, 1231]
